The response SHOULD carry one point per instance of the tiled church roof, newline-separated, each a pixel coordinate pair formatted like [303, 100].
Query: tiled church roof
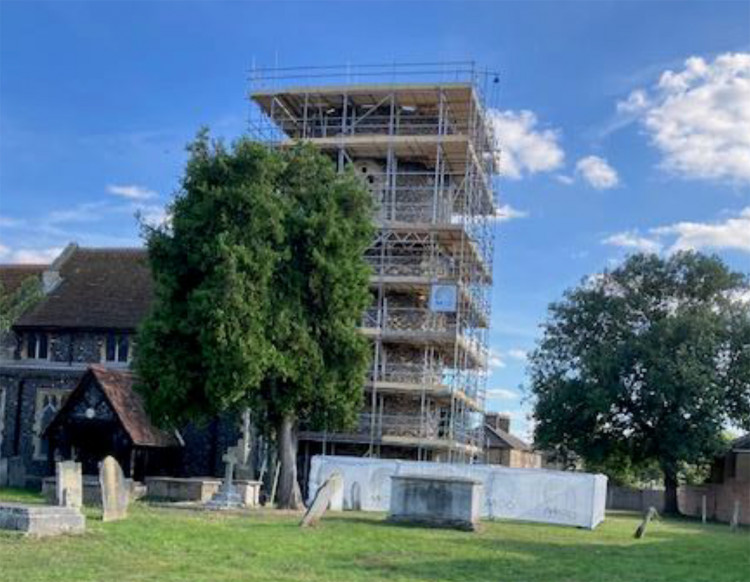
[99, 289]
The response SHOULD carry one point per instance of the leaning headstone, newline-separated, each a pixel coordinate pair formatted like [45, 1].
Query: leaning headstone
[649, 515]
[115, 494]
[734, 525]
[69, 484]
[327, 494]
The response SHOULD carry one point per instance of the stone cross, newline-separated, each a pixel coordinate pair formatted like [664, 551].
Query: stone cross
[69, 484]
[115, 494]
[227, 496]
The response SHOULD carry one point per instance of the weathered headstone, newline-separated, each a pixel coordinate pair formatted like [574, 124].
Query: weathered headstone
[69, 484]
[331, 490]
[115, 494]
[16, 472]
[734, 525]
[648, 516]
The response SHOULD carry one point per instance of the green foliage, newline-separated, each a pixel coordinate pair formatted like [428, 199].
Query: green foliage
[645, 364]
[12, 305]
[260, 283]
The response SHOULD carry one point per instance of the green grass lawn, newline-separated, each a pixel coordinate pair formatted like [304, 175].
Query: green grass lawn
[187, 546]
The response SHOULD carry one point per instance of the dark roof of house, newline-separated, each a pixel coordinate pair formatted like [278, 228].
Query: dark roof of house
[505, 440]
[742, 443]
[12, 276]
[117, 387]
[103, 288]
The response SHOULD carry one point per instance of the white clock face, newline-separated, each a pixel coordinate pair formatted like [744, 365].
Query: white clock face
[90, 413]
[443, 298]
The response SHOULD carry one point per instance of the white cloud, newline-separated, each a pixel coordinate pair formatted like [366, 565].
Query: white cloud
[131, 191]
[699, 118]
[517, 354]
[29, 256]
[597, 172]
[632, 240]
[636, 102]
[563, 179]
[86, 212]
[732, 233]
[8, 222]
[495, 361]
[501, 394]
[525, 148]
[506, 213]
[153, 214]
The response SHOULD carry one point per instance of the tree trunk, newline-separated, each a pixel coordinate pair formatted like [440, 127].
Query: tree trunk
[288, 493]
[670, 491]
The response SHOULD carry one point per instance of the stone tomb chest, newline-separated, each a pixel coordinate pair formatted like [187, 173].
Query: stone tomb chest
[436, 501]
[41, 520]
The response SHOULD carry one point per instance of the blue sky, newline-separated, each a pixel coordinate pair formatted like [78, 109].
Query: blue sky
[605, 150]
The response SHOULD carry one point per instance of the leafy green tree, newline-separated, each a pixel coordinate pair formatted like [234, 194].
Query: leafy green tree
[260, 284]
[13, 304]
[646, 363]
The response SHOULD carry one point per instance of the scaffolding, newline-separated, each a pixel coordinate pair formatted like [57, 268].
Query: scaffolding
[419, 137]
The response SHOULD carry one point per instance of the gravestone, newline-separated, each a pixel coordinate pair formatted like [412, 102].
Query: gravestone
[648, 516]
[115, 494]
[16, 472]
[69, 484]
[329, 493]
[3, 472]
[228, 496]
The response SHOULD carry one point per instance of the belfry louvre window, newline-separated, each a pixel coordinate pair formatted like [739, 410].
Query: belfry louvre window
[37, 347]
[117, 348]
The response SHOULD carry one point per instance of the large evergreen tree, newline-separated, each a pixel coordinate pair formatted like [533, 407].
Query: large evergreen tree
[646, 363]
[260, 284]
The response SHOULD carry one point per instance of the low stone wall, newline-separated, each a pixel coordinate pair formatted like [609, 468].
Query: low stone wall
[625, 498]
[720, 499]
[199, 489]
[92, 491]
[438, 502]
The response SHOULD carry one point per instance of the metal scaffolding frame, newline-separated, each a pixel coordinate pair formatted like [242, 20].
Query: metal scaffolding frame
[426, 152]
